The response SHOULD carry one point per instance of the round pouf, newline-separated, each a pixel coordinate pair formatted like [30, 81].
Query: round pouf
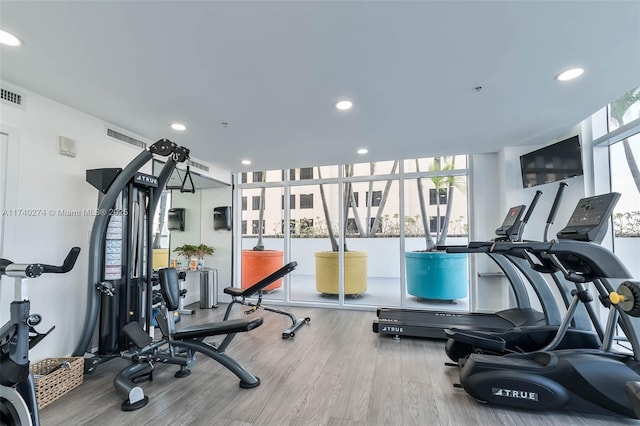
[437, 275]
[257, 265]
[355, 272]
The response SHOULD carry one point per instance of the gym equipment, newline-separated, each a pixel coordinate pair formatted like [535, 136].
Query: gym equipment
[587, 224]
[177, 346]
[120, 251]
[18, 404]
[239, 295]
[591, 380]
[432, 324]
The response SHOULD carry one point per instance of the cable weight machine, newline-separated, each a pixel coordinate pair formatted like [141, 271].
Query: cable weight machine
[120, 251]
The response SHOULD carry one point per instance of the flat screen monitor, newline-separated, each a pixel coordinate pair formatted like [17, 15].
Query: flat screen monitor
[552, 163]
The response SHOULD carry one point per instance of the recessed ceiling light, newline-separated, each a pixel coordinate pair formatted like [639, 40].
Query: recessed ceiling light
[246, 162]
[179, 127]
[344, 105]
[570, 74]
[362, 151]
[9, 39]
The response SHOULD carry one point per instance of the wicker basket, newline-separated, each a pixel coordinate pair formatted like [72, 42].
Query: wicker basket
[53, 379]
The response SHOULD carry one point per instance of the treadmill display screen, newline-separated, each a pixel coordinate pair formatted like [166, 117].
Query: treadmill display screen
[511, 223]
[589, 220]
[513, 214]
[590, 212]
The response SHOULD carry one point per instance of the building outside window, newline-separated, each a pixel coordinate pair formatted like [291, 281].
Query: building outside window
[292, 201]
[257, 177]
[306, 173]
[433, 200]
[244, 203]
[306, 201]
[375, 198]
[255, 226]
[255, 202]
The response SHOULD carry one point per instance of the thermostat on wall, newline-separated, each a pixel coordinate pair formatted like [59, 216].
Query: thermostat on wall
[67, 146]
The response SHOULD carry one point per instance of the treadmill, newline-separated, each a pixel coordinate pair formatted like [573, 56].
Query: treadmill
[587, 226]
[432, 324]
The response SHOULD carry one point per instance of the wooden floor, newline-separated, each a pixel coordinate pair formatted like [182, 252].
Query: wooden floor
[336, 371]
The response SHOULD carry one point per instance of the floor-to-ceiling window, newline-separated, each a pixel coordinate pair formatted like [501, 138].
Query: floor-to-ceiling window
[624, 159]
[617, 133]
[357, 214]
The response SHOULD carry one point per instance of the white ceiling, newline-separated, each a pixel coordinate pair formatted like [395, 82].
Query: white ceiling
[273, 71]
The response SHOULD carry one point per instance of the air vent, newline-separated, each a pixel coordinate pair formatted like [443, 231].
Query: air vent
[197, 165]
[12, 98]
[126, 139]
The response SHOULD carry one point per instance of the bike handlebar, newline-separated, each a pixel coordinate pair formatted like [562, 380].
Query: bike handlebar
[34, 270]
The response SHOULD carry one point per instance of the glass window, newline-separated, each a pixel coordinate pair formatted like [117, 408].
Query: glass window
[432, 164]
[244, 203]
[306, 201]
[376, 197]
[255, 202]
[292, 201]
[371, 169]
[257, 177]
[244, 227]
[244, 178]
[433, 200]
[625, 109]
[371, 229]
[354, 201]
[306, 173]
[255, 226]
[625, 179]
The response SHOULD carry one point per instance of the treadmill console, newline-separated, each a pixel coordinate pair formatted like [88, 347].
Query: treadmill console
[511, 224]
[590, 218]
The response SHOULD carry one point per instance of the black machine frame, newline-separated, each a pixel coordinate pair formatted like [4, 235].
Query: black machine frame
[131, 197]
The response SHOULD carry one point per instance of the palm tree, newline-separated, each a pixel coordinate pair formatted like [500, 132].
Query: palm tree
[617, 110]
[440, 183]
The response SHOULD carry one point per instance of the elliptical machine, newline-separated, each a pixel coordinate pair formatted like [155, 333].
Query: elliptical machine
[591, 380]
[18, 405]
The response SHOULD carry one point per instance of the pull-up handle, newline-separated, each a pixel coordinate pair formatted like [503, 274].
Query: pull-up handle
[190, 187]
[554, 210]
[527, 215]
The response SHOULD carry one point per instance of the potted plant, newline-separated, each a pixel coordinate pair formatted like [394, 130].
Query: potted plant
[355, 262]
[259, 263]
[433, 274]
[194, 254]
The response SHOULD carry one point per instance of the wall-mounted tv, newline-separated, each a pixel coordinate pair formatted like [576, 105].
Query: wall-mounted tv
[552, 163]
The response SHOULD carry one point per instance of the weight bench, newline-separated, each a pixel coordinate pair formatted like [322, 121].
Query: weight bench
[178, 345]
[239, 295]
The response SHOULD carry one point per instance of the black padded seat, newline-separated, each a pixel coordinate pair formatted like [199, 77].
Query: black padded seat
[234, 291]
[260, 285]
[216, 328]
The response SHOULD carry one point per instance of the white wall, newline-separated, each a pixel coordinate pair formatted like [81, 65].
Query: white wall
[40, 178]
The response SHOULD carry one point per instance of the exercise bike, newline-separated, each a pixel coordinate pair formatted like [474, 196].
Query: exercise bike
[18, 405]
